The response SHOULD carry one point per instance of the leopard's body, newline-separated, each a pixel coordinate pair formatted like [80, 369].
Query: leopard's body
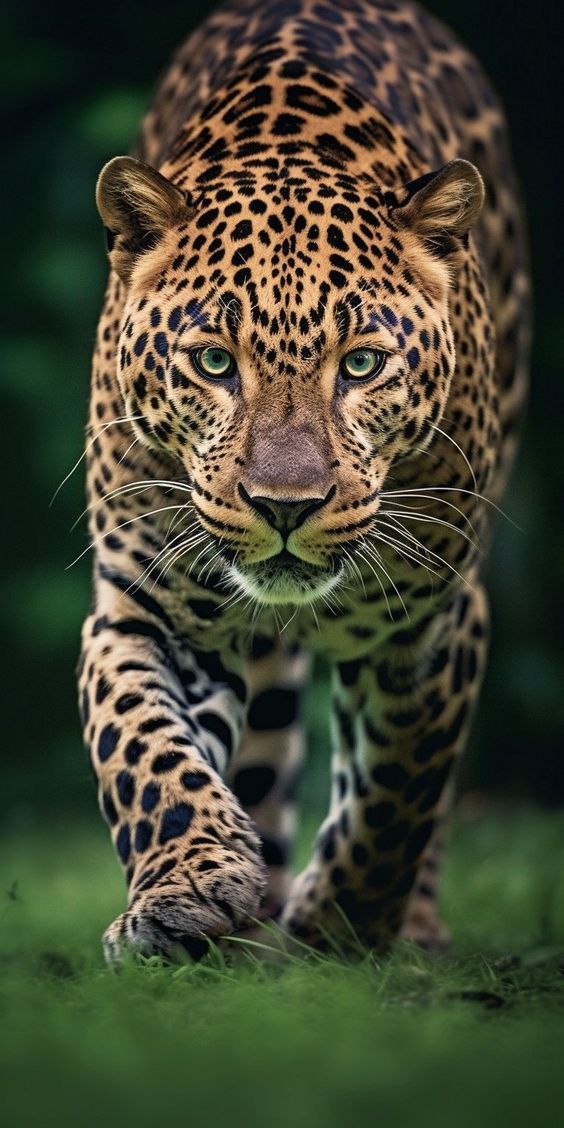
[242, 524]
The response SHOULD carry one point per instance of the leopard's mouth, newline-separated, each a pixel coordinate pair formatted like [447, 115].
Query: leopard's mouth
[284, 578]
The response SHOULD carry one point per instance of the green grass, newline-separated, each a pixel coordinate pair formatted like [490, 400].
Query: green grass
[471, 1039]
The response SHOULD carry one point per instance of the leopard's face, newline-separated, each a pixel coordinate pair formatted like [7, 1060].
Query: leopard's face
[287, 352]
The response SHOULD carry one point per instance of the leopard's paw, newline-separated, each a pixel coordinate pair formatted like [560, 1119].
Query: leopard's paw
[215, 892]
[423, 928]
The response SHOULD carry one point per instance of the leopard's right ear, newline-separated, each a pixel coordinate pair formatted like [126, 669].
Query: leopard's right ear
[137, 205]
[441, 207]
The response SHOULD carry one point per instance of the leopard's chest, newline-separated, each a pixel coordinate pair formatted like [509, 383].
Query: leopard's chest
[353, 625]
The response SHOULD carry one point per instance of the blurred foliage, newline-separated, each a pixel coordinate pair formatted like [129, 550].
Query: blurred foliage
[75, 83]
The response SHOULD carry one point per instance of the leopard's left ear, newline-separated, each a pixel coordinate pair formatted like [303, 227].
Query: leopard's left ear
[137, 205]
[441, 206]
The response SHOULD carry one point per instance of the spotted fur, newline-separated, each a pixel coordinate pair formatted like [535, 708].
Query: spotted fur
[310, 180]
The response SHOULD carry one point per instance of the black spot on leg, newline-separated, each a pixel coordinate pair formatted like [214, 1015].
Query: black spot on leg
[359, 854]
[84, 708]
[349, 672]
[379, 876]
[194, 781]
[346, 727]
[273, 709]
[441, 738]
[128, 701]
[154, 724]
[125, 788]
[215, 724]
[176, 821]
[166, 761]
[393, 836]
[418, 785]
[123, 844]
[210, 663]
[102, 690]
[435, 789]
[261, 646]
[404, 885]
[134, 749]
[109, 809]
[143, 835]
[392, 776]
[347, 900]
[378, 815]
[107, 742]
[274, 852]
[328, 844]
[418, 840]
[342, 784]
[252, 784]
[150, 797]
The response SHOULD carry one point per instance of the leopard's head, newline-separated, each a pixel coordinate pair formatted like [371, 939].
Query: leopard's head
[287, 343]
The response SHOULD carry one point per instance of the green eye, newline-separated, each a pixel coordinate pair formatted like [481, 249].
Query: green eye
[360, 364]
[215, 362]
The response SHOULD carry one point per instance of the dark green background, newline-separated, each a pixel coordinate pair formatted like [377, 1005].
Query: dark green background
[75, 84]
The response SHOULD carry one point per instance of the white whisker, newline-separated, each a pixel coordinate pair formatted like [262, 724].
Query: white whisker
[170, 550]
[133, 488]
[370, 565]
[371, 550]
[355, 567]
[427, 497]
[426, 553]
[130, 447]
[123, 525]
[429, 520]
[426, 490]
[99, 430]
[458, 448]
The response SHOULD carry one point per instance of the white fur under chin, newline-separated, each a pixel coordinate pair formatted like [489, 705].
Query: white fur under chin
[283, 590]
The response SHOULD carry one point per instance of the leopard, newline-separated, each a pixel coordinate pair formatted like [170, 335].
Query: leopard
[307, 383]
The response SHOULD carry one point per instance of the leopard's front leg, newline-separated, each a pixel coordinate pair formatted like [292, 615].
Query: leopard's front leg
[401, 716]
[265, 771]
[160, 730]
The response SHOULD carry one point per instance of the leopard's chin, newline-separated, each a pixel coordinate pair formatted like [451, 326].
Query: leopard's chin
[284, 579]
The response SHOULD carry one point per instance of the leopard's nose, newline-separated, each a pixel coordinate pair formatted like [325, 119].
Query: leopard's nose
[287, 514]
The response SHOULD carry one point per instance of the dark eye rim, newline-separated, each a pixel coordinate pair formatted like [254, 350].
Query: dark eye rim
[195, 355]
[379, 366]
